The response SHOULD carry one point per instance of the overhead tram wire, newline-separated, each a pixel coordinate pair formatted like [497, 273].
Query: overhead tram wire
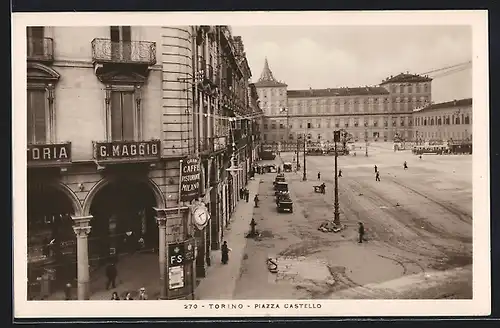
[467, 63]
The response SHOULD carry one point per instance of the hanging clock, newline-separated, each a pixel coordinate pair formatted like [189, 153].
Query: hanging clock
[200, 216]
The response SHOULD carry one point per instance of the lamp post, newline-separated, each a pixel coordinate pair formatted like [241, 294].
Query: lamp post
[336, 216]
[304, 174]
[366, 139]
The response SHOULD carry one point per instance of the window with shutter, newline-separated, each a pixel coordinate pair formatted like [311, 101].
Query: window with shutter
[37, 116]
[122, 116]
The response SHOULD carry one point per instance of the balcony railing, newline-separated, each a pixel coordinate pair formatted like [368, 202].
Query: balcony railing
[124, 52]
[40, 49]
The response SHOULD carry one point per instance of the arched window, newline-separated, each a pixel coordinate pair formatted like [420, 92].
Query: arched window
[467, 119]
[457, 120]
[425, 121]
[432, 121]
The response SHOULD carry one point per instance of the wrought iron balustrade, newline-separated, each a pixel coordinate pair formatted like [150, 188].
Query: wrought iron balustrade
[40, 49]
[124, 52]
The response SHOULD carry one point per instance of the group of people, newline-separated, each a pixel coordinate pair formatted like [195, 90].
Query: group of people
[128, 295]
[244, 194]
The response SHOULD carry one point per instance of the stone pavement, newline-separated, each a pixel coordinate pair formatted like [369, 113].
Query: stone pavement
[220, 281]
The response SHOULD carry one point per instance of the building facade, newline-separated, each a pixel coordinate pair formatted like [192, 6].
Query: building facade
[368, 113]
[111, 116]
[448, 121]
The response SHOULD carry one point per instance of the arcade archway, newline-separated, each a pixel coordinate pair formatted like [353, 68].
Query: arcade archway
[51, 239]
[123, 220]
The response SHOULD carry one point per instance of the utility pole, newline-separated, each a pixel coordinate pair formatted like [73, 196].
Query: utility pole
[336, 216]
[304, 175]
[366, 142]
[298, 150]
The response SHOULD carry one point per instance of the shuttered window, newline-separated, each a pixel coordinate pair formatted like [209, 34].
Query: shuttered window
[37, 116]
[122, 116]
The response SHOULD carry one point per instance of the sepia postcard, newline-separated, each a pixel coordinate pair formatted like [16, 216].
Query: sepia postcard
[251, 164]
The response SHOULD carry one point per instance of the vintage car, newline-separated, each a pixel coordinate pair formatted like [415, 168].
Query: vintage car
[287, 167]
[280, 187]
[271, 168]
[278, 179]
[284, 203]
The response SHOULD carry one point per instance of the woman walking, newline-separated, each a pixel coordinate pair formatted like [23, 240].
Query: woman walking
[225, 252]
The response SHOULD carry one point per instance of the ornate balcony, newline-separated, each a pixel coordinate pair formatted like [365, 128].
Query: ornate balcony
[124, 52]
[40, 49]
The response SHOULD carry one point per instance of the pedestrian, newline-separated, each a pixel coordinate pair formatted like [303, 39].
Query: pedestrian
[256, 200]
[420, 157]
[319, 176]
[128, 296]
[225, 253]
[361, 232]
[142, 294]
[279, 168]
[377, 176]
[247, 195]
[340, 173]
[375, 168]
[111, 273]
[405, 165]
[242, 191]
[114, 296]
[252, 227]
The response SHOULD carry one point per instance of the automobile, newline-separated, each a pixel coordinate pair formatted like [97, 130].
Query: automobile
[280, 187]
[287, 167]
[269, 168]
[278, 179]
[284, 203]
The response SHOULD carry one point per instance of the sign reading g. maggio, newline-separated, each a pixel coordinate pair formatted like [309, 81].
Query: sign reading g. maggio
[123, 150]
[190, 179]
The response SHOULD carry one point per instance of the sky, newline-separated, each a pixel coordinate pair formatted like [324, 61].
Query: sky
[322, 57]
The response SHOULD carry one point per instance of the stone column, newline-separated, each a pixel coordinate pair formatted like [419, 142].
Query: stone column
[162, 257]
[82, 229]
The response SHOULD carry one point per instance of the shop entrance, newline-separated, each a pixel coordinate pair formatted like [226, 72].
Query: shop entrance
[123, 221]
[51, 239]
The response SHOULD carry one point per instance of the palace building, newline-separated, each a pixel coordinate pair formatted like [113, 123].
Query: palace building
[373, 113]
[111, 116]
[447, 121]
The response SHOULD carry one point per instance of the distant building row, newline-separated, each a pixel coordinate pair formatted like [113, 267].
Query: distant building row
[375, 113]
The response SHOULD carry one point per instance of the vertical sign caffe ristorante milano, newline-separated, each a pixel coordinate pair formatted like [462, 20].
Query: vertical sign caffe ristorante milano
[123, 151]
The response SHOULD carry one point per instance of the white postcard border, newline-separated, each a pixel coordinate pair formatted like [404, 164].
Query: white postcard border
[479, 305]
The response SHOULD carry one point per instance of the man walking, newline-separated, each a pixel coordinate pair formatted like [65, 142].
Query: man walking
[319, 176]
[361, 232]
[405, 165]
[247, 194]
[111, 274]
[340, 173]
[377, 176]
[375, 168]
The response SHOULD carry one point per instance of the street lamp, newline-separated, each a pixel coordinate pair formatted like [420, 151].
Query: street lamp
[336, 216]
[285, 110]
